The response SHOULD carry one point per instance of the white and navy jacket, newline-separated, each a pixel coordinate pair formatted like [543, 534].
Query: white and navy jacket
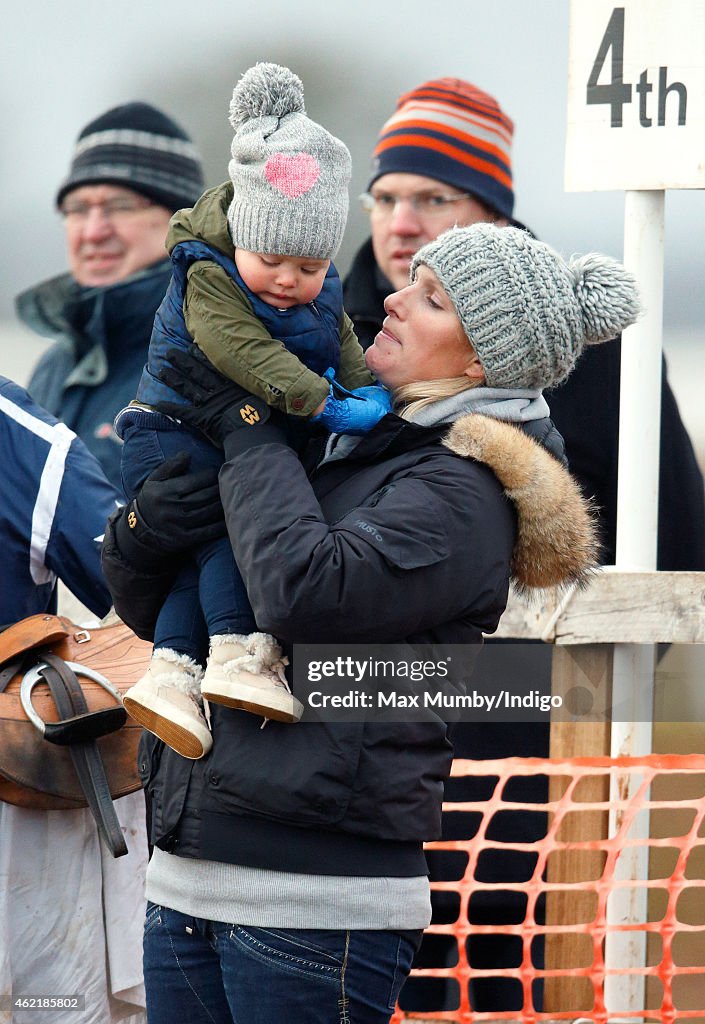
[54, 502]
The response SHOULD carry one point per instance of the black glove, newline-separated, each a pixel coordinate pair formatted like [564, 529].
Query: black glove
[217, 406]
[174, 511]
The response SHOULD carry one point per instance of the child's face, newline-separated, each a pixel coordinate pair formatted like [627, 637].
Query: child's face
[281, 281]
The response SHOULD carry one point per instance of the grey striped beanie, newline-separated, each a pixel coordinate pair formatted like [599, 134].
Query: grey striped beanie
[526, 311]
[138, 147]
[290, 176]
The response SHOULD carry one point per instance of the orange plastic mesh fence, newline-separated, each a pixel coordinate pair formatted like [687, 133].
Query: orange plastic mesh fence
[574, 869]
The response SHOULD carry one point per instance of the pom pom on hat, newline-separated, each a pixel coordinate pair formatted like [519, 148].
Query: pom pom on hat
[526, 311]
[607, 295]
[266, 90]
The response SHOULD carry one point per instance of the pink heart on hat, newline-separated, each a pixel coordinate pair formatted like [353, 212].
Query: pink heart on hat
[292, 175]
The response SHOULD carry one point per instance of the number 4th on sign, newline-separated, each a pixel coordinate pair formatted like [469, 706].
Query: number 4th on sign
[617, 93]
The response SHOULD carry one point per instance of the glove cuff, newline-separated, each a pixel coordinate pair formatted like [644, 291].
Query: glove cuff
[238, 440]
[137, 543]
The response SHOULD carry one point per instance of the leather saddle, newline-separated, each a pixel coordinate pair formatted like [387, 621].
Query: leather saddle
[65, 738]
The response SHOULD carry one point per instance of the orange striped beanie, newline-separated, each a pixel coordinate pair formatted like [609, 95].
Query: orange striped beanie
[450, 130]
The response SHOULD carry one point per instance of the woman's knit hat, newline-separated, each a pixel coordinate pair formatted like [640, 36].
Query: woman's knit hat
[526, 311]
[289, 174]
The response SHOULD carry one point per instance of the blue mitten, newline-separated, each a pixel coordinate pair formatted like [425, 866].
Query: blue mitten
[353, 412]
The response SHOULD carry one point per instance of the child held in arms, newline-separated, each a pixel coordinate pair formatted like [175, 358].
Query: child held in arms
[254, 288]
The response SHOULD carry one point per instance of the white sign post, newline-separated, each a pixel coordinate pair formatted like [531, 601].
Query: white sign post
[636, 122]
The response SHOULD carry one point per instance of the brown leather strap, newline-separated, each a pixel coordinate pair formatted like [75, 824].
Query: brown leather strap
[70, 703]
[8, 672]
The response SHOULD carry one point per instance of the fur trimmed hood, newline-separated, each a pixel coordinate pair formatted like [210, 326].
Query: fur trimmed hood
[556, 540]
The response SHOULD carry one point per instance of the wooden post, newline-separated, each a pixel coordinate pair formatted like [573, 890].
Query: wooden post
[588, 666]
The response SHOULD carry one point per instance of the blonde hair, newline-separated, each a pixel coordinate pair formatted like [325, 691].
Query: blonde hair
[409, 399]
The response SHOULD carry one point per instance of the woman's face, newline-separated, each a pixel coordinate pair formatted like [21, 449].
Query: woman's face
[421, 337]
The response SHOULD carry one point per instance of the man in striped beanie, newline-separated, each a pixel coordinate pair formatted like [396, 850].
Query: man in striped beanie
[443, 158]
[131, 169]
[135, 167]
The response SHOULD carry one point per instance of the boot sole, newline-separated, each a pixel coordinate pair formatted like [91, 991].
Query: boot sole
[180, 738]
[249, 698]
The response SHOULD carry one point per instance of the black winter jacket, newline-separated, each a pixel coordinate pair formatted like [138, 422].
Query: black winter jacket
[401, 540]
[585, 409]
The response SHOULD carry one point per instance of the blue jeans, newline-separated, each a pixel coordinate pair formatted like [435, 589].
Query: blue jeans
[208, 597]
[207, 972]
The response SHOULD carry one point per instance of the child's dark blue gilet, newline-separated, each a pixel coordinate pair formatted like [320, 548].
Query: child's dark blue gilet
[310, 332]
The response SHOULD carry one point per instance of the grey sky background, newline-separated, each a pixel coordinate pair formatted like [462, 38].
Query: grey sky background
[63, 64]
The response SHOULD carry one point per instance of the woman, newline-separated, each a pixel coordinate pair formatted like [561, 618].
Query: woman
[288, 880]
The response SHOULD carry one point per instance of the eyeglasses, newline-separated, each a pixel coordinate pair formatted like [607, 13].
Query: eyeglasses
[425, 204]
[112, 209]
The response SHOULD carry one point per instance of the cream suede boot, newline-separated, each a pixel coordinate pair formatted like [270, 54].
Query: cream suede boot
[247, 672]
[167, 702]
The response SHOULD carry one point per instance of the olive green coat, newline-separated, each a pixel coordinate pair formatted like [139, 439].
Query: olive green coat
[222, 323]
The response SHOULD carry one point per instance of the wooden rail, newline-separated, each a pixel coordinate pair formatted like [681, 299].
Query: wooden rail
[616, 607]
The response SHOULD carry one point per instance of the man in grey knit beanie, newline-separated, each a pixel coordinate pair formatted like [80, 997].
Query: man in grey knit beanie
[526, 311]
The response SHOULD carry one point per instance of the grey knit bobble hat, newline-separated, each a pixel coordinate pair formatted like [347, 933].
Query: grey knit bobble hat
[289, 174]
[526, 311]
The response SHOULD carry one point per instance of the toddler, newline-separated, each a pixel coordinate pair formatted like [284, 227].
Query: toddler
[253, 287]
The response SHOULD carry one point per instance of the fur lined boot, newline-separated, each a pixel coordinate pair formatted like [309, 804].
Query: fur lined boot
[247, 672]
[167, 702]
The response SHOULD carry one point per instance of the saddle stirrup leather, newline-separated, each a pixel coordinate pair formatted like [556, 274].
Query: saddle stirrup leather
[78, 730]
